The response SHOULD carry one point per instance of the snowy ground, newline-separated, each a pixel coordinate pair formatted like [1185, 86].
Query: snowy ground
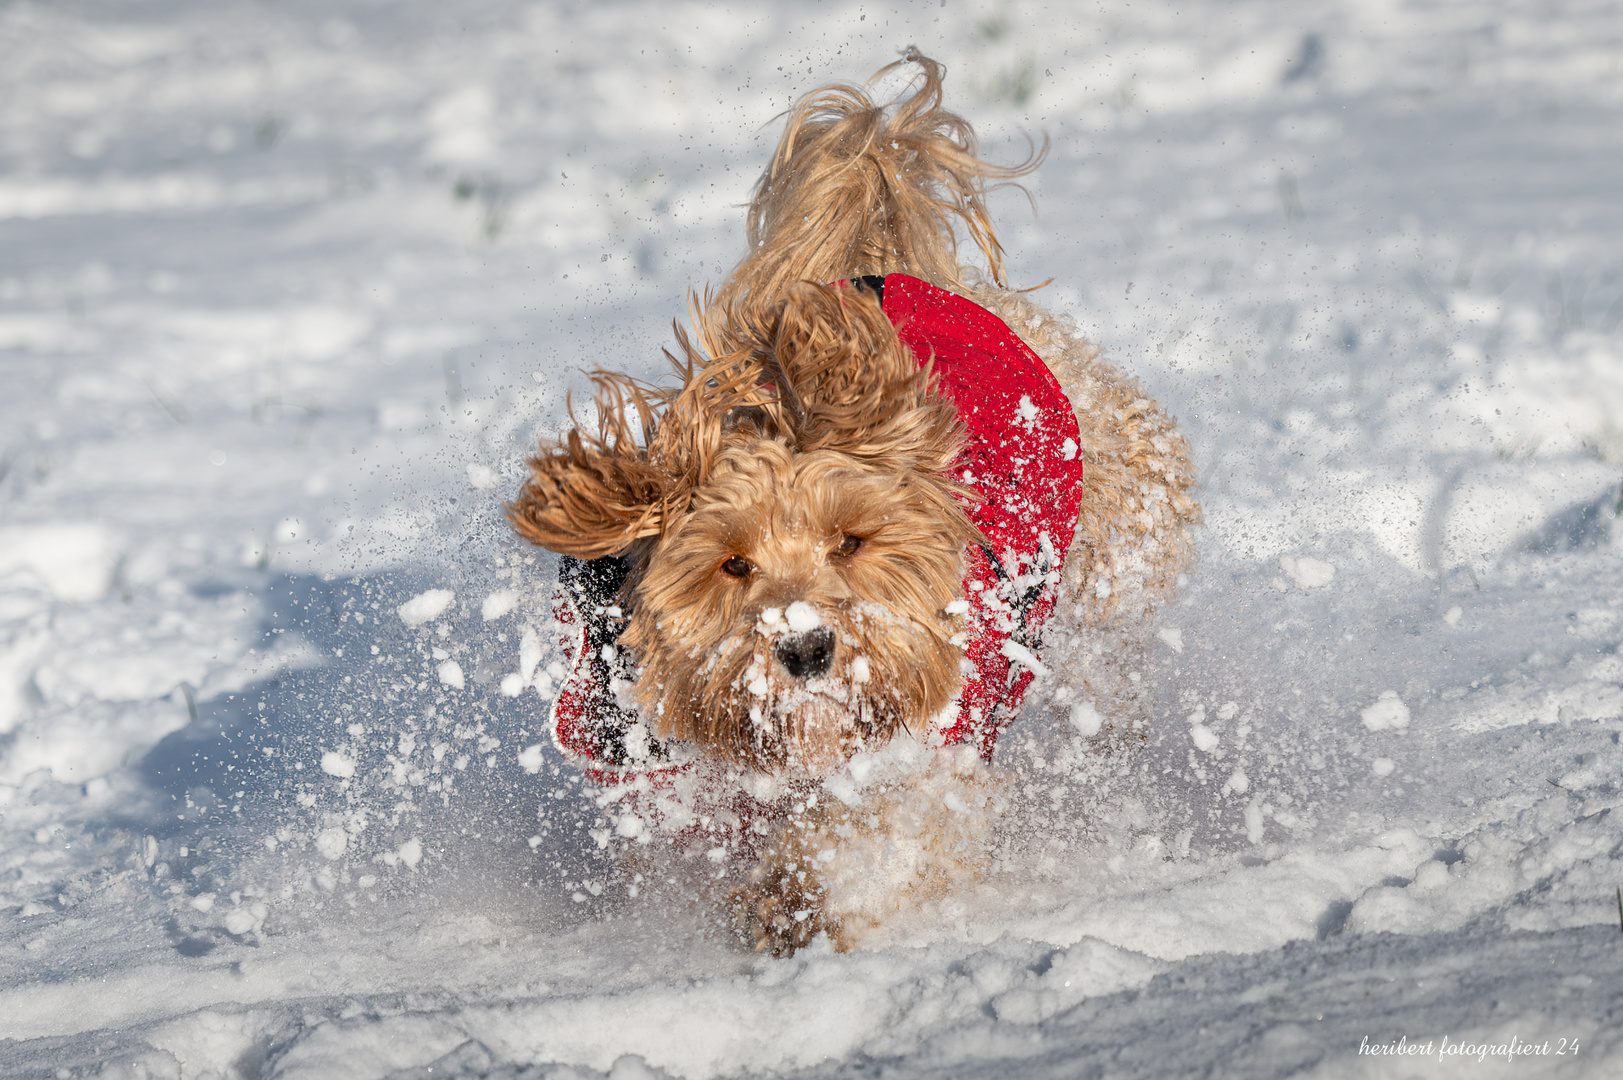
[287, 291]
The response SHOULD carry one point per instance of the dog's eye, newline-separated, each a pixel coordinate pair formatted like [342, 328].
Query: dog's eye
[848, 547]
[736, 567]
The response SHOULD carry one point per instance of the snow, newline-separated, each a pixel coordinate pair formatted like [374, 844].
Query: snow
[450, 673]
[426, 606]
[497, 604]
[1388, 713]
[1086, 719]
[290, 291]
[75, 561]
[336, 764]
[1308, 572]
[801, 617]
[1024, 657]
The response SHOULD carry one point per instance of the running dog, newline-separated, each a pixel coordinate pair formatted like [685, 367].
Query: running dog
[805, 587]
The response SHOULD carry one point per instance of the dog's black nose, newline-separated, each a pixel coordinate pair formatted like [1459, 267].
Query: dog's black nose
[808, 655]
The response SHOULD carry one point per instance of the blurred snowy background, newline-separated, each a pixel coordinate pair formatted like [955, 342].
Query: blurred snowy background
[287, 291]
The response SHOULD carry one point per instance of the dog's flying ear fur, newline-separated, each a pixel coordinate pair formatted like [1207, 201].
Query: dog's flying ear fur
[591, 495]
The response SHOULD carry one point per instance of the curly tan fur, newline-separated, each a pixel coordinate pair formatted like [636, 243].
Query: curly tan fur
[855, 188]
[706, 639]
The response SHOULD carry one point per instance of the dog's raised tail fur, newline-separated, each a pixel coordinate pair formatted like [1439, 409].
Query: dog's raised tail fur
[859, 188]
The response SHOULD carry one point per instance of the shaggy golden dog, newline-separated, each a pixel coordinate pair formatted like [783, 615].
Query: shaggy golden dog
[805, 588]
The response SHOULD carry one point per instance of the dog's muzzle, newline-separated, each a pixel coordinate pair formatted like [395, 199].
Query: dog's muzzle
[807, 655]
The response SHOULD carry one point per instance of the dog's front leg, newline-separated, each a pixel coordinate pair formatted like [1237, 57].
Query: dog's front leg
[785, 904]
[844, 868]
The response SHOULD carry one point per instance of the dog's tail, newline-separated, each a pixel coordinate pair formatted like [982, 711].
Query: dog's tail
[858, 188]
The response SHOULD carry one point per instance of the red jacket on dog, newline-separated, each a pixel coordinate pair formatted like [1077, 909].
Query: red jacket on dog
[1022, 459]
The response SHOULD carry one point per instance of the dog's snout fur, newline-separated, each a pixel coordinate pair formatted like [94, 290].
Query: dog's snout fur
[807, 655]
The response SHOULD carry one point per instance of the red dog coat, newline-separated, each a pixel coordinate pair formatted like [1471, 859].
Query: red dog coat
[1022, 458]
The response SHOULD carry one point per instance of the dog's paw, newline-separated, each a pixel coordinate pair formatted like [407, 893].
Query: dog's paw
[781, 910]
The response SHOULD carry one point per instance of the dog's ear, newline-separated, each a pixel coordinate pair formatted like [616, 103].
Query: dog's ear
[596, 494]
[849, 383]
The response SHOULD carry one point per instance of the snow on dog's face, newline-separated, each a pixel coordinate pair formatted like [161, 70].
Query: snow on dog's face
[798, 612]
[794, 533]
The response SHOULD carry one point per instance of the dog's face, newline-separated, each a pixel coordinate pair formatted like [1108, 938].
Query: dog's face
[796, 540]
[801, 610]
